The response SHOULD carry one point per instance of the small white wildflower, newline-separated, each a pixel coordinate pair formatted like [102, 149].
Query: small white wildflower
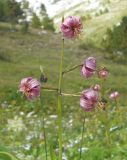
[30, 136]
[41, 136]
[4, 104]
[64, 157]
[118, 24]
[21, 113]
[48, 122]
[30, 114]
[84, 149]
[20, 155]
[29, 157]
[16, 124]
[113, 128]
[27, 146]
[53, 116]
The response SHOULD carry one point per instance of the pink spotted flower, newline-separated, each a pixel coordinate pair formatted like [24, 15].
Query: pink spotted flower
[30, 87]
[88, 99]
[89, 67]
[114, 95]
[71, 27]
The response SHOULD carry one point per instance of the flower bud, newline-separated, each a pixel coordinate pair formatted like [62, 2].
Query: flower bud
[103, 73]
[114, 95]
[97, 87]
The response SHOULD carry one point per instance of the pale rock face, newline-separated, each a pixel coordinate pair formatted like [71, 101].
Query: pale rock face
[57, 8]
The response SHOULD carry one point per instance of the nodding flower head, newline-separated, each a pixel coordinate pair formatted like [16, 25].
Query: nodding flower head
[89, 67]
[114, 95]
[71, 27]
[88, 99]
[30, 87]
[103, 73]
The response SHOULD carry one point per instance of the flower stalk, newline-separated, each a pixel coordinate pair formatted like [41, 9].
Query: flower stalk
[60, 102]
[83, 128]
[49, 88]
[43, 125]
[71, 69]
[107, 132]
[71, 95]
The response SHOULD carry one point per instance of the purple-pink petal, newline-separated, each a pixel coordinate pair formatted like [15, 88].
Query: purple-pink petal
[90, 63]
[33, 83]
[25, 80]
[85, 104]
[86, 72]
[88, 99]
[89, 67]
[35, 92]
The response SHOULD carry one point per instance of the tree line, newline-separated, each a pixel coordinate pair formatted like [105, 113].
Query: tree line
[12, 11]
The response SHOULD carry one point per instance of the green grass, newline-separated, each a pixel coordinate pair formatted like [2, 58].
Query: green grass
[28, 52]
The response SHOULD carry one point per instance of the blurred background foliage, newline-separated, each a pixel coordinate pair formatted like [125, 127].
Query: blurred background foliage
[116, 37]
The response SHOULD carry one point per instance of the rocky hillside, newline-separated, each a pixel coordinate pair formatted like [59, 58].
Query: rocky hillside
[80, 7]
[84, 8]
[97, 15]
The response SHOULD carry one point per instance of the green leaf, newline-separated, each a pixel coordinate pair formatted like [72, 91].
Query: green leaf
[52, 154]
[7, 156]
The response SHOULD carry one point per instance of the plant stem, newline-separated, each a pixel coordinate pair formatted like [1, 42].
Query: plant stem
[49, 88]
[107, 132]
[102, 88]
[83, 127]
[71, 69]
[60, 102]
[43, 125]
[117, 106]
[72, 95]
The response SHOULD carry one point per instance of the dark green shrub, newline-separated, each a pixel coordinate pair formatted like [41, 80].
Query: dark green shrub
[48, 24]
[35, 21]
[24, 27]
[116, 39]
[11, 11]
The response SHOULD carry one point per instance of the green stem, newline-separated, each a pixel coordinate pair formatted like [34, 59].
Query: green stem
[118, 111]
[50, 89]
[61, 65]
[117, 106]
[44, 131]
[71, 69]
[107, 132]
[71, 95]
[83, 127]
[60, 102]
[102, 88]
